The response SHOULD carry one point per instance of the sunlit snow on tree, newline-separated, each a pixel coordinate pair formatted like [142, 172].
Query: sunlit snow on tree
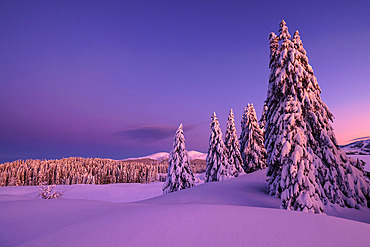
[304, 159]
[179, 174]
[251, 142]
[232, 148]
[294, 181]
[262, 121]
[218, 167]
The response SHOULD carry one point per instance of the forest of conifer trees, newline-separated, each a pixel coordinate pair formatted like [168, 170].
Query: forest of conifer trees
[76, 170]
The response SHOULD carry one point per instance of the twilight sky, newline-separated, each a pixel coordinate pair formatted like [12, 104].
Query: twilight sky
[114, 79]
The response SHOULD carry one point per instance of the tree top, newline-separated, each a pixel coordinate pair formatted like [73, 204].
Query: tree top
[283, 31]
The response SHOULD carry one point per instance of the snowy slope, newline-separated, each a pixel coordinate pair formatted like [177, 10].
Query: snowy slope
[126, 192]
[361, 147]
[235, 212]
[121, 192]
[164, 155]
[91, 223]
[156, 156]
[195, 155]
[365, 158]
[359, 150]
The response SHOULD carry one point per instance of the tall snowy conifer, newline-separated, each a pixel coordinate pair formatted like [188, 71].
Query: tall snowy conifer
[299, 139]
[217, 167]
[252, 147]
[243, 134]
[262, 121]
[232, 146]
[295, 180]
[179, 174]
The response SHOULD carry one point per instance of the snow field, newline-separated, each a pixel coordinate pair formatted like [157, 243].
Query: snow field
[84, 223]
[365, 158]
[234, 212]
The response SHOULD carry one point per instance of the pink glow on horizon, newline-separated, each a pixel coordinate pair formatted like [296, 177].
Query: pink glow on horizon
[352, 120]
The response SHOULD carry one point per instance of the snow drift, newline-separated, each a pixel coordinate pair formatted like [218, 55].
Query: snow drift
[235, 212]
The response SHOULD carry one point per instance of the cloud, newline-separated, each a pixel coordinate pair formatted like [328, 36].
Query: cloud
[150, 133]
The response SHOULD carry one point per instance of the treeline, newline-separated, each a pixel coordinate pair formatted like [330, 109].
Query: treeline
[77, 170]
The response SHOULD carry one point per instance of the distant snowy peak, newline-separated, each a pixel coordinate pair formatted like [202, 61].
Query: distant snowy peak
[361, 147]
[193, 155]
[157, 156]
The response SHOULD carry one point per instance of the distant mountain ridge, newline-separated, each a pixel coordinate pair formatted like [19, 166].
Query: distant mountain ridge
[360, 147]
[193, 155]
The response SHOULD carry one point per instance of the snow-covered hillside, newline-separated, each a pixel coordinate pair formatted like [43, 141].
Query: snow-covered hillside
[156, 156]
[235, 212]
[365, 158]
[359, 150]
[360, 147]
[193, 155]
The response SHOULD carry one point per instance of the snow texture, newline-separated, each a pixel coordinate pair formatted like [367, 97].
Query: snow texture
[294, 182]
[298, 132]
[262, 121]
[360, 147]
[252, 142]
[211, 214]
[364, 158]
[217, 166]
[179, 174]
[232, 150]
[49, 192]
[193, 155]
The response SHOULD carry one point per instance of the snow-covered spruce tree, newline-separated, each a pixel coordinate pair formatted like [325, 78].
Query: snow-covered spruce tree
[232, 150]
[49, 192]
[217, 167]
[295, 180]
[291, 76]
[252, 149]
[262, 121]
[179, 175]
[343, 183]
[243, 134]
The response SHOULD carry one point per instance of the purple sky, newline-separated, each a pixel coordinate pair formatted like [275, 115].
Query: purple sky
[115, 78]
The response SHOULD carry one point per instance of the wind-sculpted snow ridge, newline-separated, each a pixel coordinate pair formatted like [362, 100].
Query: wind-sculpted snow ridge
[211, 214]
